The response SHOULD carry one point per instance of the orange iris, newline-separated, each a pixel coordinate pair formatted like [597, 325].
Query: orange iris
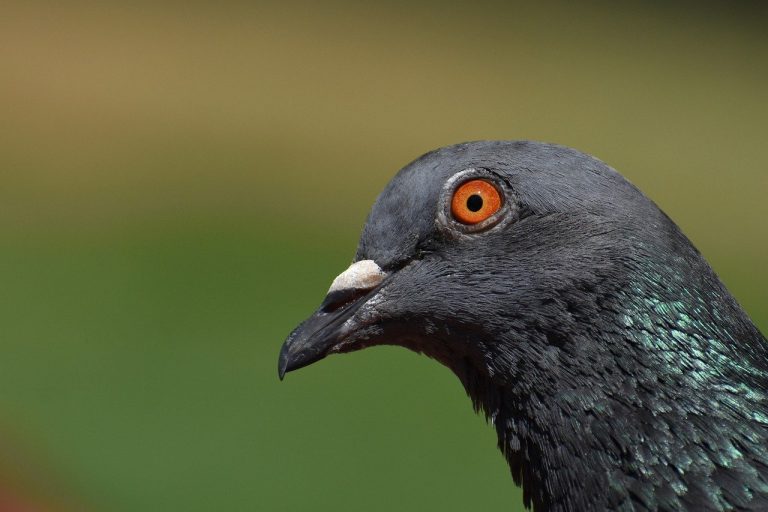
[475, 201]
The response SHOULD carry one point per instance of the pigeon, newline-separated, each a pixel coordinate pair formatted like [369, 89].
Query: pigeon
[618, 371]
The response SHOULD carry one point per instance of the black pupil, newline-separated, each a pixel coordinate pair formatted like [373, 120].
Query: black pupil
[474, 203]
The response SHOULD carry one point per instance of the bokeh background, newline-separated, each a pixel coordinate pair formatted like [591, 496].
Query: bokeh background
[180, 182]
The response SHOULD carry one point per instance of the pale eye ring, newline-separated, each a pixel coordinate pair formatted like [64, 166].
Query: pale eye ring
[475, 200]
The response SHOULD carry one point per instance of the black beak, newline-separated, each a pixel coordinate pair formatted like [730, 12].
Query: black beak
[322, 332]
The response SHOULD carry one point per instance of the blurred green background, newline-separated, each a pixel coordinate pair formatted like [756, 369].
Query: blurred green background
[180, 182]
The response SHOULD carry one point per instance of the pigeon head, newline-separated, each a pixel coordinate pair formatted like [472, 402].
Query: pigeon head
[503, 291]
[567, 303]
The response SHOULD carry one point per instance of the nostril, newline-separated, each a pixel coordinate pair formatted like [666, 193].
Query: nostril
[337, 299]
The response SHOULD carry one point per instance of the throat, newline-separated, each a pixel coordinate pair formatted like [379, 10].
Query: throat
[554, 457]
[548, 453]
[562, 459]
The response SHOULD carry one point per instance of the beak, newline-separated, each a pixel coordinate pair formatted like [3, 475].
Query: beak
[330, 324]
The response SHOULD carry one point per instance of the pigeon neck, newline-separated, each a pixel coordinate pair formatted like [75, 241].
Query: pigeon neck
[607, 438]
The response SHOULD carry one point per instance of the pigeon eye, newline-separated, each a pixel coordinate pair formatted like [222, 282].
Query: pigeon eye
[475, 201]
